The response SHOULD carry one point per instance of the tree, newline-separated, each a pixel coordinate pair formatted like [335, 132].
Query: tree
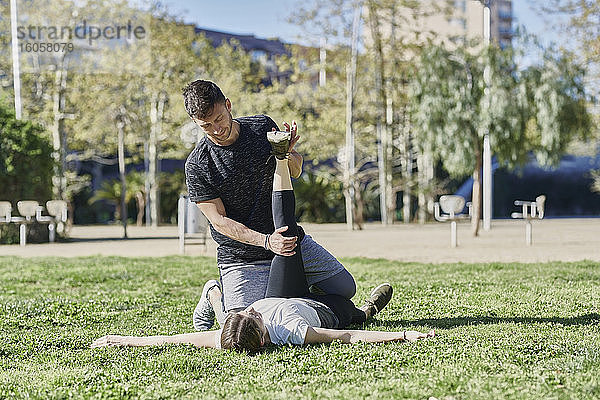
[539, 109]
[110, 191]
[173, 64]
[25, 159]
[580, 20]
[25, 170]
[583, 18]
[390, 42]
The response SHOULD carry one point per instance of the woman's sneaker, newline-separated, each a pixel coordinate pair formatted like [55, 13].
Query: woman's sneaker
[379, 298]
[204, 315]
[280, 143]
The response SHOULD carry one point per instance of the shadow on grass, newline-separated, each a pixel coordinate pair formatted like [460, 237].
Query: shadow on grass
[587, 319]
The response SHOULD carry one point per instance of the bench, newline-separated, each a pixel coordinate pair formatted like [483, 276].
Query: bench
[191, 224]
[530, 210]
[31, 211]
[452, 207]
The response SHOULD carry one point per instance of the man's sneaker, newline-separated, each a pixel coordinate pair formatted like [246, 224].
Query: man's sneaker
[204, 315]
[280, 143]
[379, 297]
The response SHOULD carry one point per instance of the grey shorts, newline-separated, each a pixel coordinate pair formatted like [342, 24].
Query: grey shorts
[244, 283]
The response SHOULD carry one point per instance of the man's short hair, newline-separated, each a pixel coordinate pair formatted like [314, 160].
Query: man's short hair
[241, 333]
[200, 97]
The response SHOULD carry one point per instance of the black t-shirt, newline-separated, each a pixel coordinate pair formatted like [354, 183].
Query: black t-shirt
[241, 175]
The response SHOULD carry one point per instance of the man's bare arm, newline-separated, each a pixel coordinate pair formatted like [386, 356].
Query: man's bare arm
[198, 339]
[323, 335]
[214, 210]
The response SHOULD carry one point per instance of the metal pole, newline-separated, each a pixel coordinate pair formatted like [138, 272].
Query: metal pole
[487, 152]
[322, 62]
[181, 222]
[453, 241]
[15, 58]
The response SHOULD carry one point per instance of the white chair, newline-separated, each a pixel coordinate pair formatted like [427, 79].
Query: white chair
[57, 218]
[530, 210]
[452, 207]
[5, 211]
[28, 210]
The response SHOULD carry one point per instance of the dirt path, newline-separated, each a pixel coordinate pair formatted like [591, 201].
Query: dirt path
[553, 240]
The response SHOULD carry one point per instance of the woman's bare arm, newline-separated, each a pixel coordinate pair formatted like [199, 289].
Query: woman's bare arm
[322, 335]
[198, 339]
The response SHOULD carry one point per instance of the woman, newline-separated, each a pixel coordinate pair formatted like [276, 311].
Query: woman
[289, 314]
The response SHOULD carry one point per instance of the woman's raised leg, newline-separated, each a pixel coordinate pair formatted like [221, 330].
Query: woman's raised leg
[287, 277]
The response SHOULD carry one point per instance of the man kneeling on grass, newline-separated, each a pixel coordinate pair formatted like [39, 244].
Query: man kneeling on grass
[289, 314]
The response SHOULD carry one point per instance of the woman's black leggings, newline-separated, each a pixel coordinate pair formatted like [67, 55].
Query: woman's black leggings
[287, 277]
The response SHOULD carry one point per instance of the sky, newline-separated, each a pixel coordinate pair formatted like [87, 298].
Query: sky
[268, 18]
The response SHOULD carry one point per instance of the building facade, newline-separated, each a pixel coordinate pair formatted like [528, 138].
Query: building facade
[450, 21]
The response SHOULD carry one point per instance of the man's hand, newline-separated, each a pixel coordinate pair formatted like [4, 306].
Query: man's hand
[282, 245]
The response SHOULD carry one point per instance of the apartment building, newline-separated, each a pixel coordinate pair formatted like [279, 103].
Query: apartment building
[465, 20]
[451, 20]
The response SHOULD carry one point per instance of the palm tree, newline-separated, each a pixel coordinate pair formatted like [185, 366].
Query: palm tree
[110, 191]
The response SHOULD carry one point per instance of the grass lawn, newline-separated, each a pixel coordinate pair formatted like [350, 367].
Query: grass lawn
[505, 331]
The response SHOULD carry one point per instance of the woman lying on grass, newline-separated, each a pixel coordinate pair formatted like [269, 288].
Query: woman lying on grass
[289, 314]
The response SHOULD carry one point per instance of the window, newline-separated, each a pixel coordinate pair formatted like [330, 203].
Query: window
[259, 56]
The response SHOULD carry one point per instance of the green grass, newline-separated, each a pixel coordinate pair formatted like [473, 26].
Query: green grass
[505, 331]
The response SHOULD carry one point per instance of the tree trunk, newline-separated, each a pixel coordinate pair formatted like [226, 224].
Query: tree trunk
[390, 201]
[349, 153]
[141, 204]
[422, 180]
[359, 207]
[381, 104]
[476, 197]
[349, 165]
[407, 168]
[157, 106]
[58, 134]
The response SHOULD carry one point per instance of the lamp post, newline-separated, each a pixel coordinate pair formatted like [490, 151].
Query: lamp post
[15, 58]
[487, 152]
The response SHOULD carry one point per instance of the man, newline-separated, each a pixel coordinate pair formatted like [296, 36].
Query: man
[229, 175]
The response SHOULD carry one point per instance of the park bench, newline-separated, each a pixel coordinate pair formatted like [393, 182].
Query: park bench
[31, 211]
[191, 223]
[530, 210]
[451, 210]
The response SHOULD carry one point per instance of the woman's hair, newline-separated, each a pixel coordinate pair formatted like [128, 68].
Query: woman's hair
[241, 333]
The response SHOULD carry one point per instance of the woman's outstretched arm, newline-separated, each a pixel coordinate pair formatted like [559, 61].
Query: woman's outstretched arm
[198, 339]
[322, 335]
